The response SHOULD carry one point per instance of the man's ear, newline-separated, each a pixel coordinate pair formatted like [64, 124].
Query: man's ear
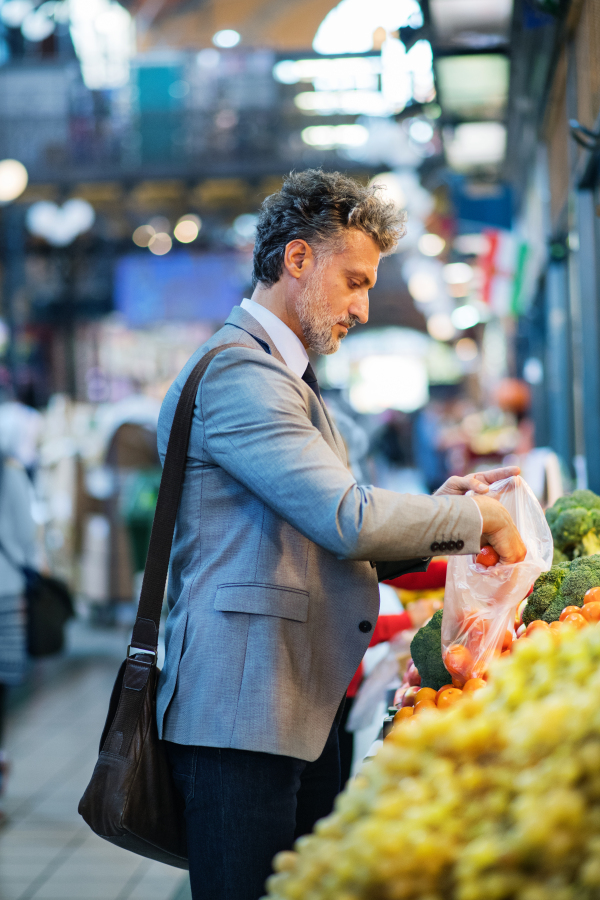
[296, 257]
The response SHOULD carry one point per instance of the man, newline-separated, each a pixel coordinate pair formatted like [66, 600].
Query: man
[273, 588]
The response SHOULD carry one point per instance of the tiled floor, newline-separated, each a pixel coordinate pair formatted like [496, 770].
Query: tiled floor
[47, 852]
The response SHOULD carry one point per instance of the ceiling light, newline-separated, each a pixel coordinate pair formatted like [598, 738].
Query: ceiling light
[187, 228]
[475, 144]
[226, 38]
[431, 244]
[160, 243]
[13, 179]
[349, 26]
[329, 136]
[351, 103]
[420, 131]
[440, 327]
[457, 273]
[60, 225]
[465, 317]
[466, 349]
[141, 236]
[423, 287]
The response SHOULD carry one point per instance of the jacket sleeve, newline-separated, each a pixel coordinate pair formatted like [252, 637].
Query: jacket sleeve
[257, 427]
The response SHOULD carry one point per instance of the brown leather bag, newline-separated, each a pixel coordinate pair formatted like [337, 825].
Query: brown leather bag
[131, 799]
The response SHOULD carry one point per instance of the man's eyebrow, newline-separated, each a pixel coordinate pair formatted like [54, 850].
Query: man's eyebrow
[360, 276]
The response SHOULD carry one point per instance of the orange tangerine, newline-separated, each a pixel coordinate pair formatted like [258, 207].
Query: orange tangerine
[536, 625]
[592, 595]
[567, 612]
[473, 684]
[425, 693]
[405, 713]
[459, 661]
[591, 611]
[444, 687]
[449, 697]
[575, 620]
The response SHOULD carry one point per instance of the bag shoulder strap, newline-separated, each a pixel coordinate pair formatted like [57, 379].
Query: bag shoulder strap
[147, 622]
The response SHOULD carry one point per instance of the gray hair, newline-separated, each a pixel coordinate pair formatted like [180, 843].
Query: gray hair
[320, 208]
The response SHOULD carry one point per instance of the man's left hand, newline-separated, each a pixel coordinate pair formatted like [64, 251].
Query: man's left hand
[478, 482]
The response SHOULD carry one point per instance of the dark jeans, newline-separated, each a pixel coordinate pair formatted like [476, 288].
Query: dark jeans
[243, 807]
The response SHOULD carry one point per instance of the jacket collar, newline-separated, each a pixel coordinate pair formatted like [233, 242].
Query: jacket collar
[241, 318]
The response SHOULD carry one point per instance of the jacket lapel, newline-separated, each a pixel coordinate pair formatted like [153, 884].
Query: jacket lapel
[240, 318]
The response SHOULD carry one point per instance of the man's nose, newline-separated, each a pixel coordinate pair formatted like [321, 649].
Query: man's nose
[360, 307]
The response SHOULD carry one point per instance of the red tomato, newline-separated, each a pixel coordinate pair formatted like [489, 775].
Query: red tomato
[592, 595]
[487, 556]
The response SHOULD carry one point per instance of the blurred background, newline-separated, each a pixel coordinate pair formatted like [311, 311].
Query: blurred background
[137, 142]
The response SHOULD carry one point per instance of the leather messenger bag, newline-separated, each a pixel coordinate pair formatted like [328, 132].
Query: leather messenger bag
[131, 799]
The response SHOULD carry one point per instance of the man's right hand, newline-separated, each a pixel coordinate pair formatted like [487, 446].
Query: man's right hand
[499, 530]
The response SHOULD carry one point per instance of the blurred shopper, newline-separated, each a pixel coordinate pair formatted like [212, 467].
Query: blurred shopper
[273, 590]
[17, 543]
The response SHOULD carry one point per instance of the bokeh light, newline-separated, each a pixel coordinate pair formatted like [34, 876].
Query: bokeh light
[466, 349]
[13, 179]
[423, 287]
[160, 243]
[188, 228]
[431, 244]
[141, 236]
[226, 38]
[440, 327]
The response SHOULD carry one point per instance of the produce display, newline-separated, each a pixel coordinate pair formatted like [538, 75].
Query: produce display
[497, 797]
[563, 585]
[574, 521]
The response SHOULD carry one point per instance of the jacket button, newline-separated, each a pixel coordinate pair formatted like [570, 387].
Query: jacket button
[451, 545]
[443, 546]
[460, 545]
[365, 626]
[435, 547]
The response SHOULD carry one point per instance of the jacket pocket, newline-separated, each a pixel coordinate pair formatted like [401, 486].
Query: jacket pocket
[263, 600]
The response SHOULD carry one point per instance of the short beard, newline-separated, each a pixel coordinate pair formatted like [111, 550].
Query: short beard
[317, 319]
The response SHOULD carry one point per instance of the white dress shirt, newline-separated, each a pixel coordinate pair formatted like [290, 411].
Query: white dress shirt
[289, 344]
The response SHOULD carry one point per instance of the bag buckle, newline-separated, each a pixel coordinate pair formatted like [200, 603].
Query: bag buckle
[132, 651]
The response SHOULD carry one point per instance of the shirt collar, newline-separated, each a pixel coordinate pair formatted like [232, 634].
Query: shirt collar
[289, 344]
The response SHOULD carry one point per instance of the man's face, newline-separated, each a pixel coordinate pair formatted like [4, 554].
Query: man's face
[335, 294]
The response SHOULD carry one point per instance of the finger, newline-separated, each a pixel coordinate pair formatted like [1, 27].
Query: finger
[492, 475]
[473, 483]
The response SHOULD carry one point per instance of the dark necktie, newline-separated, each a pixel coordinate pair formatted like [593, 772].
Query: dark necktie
[311, 379]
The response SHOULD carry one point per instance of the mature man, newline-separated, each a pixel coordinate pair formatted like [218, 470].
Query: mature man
[273, 587]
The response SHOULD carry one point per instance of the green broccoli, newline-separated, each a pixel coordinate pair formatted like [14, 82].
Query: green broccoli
[563, 585]
[545, 592]
[426, 651]
[574, 521]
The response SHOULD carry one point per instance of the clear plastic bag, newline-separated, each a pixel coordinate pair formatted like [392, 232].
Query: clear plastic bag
[480, 603]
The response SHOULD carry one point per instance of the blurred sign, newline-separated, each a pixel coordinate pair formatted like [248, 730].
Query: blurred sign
[180, 286]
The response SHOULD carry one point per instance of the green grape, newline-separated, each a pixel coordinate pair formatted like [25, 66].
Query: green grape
[499, 798]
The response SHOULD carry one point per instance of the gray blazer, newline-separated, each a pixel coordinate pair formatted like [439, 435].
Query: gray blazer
[272, 594]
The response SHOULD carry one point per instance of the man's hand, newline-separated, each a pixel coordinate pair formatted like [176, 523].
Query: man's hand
[500, 531]
[422, 610]
[479, 482]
